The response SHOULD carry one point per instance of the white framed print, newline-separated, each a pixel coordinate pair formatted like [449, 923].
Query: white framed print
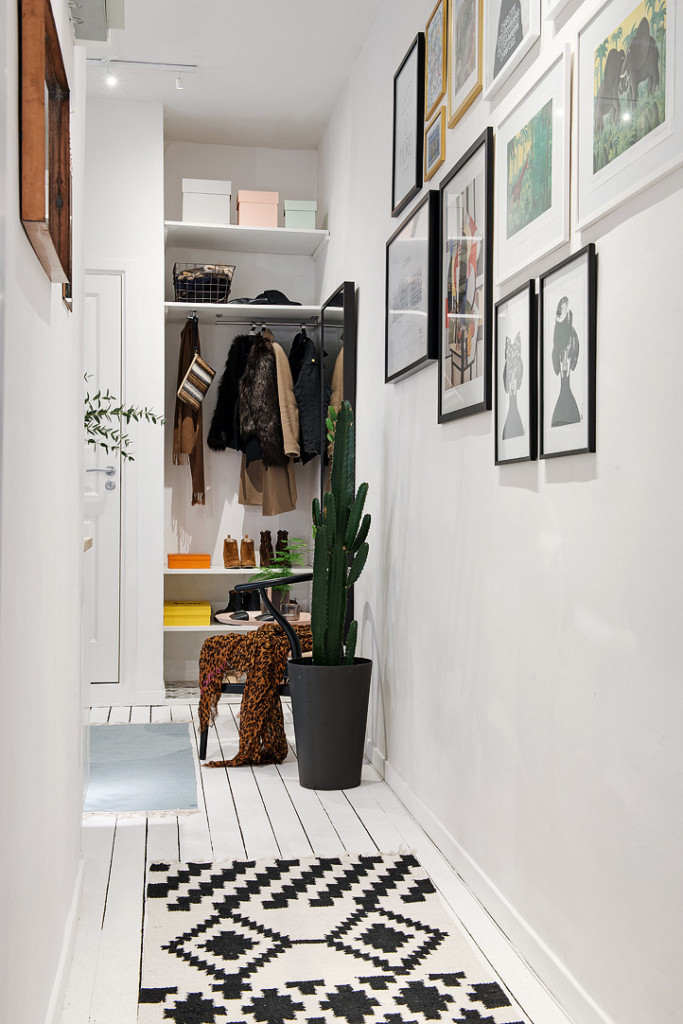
[532, 172]
[553, 8]
[630, 107]
[511, 27]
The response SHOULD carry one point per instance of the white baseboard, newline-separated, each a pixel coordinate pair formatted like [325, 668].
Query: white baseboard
[492, 921]
[375, 758]
[54, 1010]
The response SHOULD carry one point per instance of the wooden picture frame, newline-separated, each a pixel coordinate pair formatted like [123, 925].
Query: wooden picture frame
[408, 126]
[412, 292]
[567, 319]
[435, 144]
[465, 49]
[435, 57]
[466, 295]
[44, 141]
[516, 376]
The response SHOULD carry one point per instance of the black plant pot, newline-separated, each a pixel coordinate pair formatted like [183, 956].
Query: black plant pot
[330, 710]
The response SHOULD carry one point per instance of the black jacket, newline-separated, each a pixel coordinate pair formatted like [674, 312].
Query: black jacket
[304, 362]
[225, 425]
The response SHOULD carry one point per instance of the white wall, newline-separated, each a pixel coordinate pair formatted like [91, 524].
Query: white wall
[524, 619]
[124, 232]
[41, 546]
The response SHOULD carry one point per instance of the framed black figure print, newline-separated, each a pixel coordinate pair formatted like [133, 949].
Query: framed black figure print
[465, 304]
[516, 404]
[408, 131]
[568, 303]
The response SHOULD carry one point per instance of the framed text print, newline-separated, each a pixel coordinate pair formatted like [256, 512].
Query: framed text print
[465, 64]
[435, 58]
[532, 173]
[412, 291]
[630, 130]
[466, 283]
[567, 317]
[516, 404]
[511, 27]
[408, 133]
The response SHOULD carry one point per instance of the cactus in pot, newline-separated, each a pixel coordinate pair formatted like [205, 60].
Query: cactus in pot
[341, 549]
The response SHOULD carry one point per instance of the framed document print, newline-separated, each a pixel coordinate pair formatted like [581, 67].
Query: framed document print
[568, 326]
[465, 304]
[408, 131]
[511, 27]
[412, 291]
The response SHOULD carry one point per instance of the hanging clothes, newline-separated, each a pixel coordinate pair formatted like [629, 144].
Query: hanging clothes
[188, 446]
[304, 363]
[260, 420]
[225, 424]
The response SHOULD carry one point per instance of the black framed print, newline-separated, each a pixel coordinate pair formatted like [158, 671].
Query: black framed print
[516, 403]
[568, 305]
[412, 292]
[466, 290]
[408, 129]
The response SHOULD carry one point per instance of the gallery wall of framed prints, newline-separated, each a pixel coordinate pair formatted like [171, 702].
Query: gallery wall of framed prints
[580, 103]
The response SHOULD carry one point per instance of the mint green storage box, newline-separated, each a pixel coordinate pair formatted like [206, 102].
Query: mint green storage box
[300, 213]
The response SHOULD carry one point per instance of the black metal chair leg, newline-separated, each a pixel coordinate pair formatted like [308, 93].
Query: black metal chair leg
[203, 740]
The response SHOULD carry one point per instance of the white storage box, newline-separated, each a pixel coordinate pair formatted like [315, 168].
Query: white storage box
[205, 201]
[300, 213]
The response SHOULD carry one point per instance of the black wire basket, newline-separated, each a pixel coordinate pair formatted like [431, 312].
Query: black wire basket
[202, 282]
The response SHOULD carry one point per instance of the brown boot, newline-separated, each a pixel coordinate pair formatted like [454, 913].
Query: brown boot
[282, 543]
[231, 558]
[247, 556]
[266, 548]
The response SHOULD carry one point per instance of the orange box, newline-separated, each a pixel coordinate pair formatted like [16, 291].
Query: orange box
[190, 561]
[257, 209]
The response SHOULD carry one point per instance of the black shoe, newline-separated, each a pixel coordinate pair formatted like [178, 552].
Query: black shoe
[251, 601]
[266, 617]
[242, 616]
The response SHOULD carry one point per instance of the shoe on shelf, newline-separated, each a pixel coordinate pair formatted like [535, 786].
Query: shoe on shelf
[282, 542]
[235, 604]
[266, 548]
[241, 616]
[231, 557]
[251, 601]
[247, 555]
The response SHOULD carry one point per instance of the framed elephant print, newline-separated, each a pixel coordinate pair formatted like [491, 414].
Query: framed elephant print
[532, 172]
[630, 116]
[567, 317]
[515, 374]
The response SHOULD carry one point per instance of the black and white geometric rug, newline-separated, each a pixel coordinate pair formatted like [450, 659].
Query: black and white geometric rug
[362, 940]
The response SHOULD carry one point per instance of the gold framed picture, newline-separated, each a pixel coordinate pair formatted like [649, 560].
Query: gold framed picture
[465, 21]
[435, 58]
[435, 143]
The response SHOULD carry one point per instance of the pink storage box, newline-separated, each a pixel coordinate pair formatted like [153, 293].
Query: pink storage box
[257, 209]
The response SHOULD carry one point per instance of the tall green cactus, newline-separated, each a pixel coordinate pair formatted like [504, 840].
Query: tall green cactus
[340, 550]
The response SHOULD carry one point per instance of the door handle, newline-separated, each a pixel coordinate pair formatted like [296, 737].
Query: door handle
[109, 470]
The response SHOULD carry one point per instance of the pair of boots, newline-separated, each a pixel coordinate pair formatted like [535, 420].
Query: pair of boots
[241, 604]
[266, 547]
[245, 559]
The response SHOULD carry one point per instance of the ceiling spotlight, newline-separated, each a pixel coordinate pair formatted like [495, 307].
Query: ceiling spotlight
[178, 82]
[111, 78]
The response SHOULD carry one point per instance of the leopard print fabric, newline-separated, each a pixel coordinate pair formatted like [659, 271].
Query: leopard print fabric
[262, 656]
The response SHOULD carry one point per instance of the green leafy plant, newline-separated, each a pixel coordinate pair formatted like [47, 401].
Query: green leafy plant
[293, 553]
[340, 550]
[104, 420]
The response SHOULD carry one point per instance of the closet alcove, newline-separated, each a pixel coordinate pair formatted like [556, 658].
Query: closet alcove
[286, 261]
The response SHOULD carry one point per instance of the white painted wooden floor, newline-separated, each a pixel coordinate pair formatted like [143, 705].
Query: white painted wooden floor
[247, 813]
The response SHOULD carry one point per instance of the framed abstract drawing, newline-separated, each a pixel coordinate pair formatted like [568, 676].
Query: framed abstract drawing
[412, 292]
[630, 105]
[408, 128]
[511, 27]
[466, 291]
[568, 304]
[515, 373]
[465, 50]
[435, 143]
[532, 172]
[435, 58]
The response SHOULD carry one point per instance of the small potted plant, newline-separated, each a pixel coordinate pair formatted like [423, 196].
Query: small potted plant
[330, 690]
[291, 554]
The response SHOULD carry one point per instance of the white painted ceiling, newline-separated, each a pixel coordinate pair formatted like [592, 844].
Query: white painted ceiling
[270, 71]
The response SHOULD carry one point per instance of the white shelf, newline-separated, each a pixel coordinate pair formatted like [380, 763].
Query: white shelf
[217, 570]
[215, 627]
[224, 313]
[239, 238]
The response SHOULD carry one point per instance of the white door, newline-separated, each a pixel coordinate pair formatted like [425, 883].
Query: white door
[103, 338]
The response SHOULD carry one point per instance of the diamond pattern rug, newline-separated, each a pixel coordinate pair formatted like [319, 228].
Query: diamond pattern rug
[362, 940]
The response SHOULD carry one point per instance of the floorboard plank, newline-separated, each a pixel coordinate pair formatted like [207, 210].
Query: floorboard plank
[350, 828]
[374, 817]
[193, 829]
[139, 715]
[115, 996]
[119, 715]
[224, 827]
[160, 713]
[287, 826]
[99, 716]
[321, 833]
[180, 713]
[162, 840]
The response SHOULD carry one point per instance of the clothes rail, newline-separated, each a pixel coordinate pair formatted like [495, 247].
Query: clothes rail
[302, 322]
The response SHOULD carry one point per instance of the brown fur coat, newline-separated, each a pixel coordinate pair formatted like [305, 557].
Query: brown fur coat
[259, 403]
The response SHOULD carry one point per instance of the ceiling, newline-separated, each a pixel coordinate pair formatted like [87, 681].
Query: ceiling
[270, 72]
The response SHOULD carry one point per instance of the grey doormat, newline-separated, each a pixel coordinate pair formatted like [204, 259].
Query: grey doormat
[363, 940]
[141, 769]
